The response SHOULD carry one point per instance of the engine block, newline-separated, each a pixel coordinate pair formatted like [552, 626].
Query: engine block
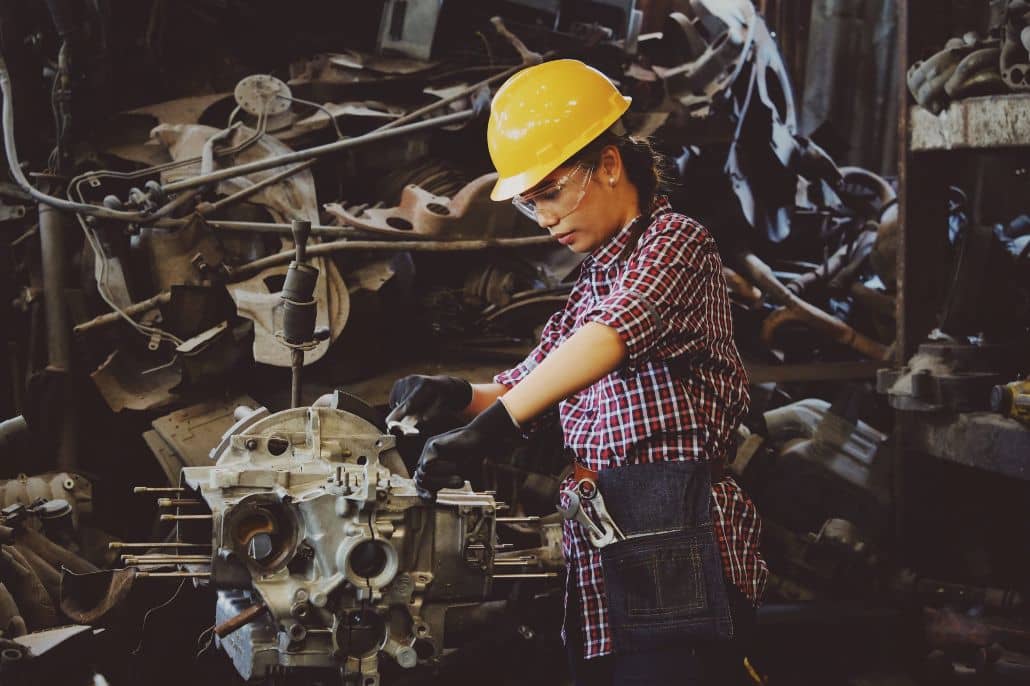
[314, 516]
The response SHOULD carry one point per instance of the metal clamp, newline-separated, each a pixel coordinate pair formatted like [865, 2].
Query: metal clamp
[601, 528]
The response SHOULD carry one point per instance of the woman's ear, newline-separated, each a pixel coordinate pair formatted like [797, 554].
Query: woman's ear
[609, 168]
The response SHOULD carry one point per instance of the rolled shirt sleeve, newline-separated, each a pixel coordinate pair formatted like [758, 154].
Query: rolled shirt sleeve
[666, 279]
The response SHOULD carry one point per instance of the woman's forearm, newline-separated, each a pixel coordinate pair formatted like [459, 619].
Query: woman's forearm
[589, 354]
[483, 396]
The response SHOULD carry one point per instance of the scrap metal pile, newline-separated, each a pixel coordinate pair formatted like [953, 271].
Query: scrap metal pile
[148, 244]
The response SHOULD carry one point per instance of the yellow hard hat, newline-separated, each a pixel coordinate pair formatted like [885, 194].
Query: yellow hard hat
[542, 116]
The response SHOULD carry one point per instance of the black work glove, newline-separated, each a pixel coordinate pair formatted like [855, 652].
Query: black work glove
[428, 400]
[493, 433]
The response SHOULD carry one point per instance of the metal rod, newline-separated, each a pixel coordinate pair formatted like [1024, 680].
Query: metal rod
[181, 517]
[53, 231]
[137, 308]
[296, 365]
[177, 502]
[170, 575]
[527, 575]
[241, 620]
[118, 545]
[251, 190]
[522, 562]
[317, 151]
[165, 559]
[517, 520]
[497, 546]
[251, 268]
[155, 489]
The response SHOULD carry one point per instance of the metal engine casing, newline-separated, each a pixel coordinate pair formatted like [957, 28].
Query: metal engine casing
[314, 515]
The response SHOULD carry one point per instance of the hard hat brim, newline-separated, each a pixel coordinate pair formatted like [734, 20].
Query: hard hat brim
[508, 187]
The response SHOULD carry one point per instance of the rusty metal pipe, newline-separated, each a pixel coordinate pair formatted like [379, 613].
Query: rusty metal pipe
[241, 620]
[137, 308]
[251, 268]
[793, 308]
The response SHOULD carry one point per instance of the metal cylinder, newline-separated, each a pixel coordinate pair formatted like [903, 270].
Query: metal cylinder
[52, 230]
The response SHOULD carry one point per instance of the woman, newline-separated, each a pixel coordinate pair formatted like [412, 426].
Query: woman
[648, 384]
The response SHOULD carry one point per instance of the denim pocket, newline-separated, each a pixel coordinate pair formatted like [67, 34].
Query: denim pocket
[665, 588]
[663, 582]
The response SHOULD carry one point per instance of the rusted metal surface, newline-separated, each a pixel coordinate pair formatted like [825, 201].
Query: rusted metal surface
[999, 121]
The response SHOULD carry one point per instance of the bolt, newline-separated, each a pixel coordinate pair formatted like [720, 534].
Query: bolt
[301, 595]
[251, 444]
[69, 484]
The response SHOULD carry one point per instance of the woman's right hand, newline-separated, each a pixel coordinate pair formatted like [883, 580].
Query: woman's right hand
[420, 402]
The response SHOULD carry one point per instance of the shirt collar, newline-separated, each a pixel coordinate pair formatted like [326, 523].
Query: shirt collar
[607, 254]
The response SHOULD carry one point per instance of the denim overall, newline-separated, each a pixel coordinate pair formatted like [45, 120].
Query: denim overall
[665, 581]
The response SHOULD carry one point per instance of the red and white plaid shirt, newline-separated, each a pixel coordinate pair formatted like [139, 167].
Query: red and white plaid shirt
[667, 300]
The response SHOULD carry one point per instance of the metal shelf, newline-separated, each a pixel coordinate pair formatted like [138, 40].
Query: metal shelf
[996, 121]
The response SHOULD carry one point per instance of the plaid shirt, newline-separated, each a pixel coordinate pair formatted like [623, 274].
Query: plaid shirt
[666, 300]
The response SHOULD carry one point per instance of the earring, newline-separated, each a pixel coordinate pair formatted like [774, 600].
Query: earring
[611, 181]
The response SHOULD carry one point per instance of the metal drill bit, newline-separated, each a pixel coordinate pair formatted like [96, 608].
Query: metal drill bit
[181, 517]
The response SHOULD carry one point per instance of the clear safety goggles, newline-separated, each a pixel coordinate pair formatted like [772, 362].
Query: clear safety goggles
[557, 198]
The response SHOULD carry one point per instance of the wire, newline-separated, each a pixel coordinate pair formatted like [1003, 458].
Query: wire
[142, 629]
[98, 250]
[201, 649]
[332, 119]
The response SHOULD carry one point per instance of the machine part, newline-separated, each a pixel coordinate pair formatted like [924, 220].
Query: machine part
[131, 311]
[292, 198]
[122, 384]
[948, 377]
[794, 309]
[256, 300]
[982, 440]
[53, 229]
[705, 49]
[12, 431]
[315, 508]
[528, 56]
[1012, 400]
[262, 95]
[976, 74]
[184, 437]
[408, 27]
[317, 151]
[188, 256]
[73, 489]
[927, 78]
[469, 214]
[1015, 50]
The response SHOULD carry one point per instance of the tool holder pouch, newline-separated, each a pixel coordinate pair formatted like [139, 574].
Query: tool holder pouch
[665, 581]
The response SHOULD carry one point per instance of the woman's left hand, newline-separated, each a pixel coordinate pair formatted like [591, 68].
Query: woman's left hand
[448, 457]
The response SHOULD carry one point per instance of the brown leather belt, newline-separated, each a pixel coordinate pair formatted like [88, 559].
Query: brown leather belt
[716, 468]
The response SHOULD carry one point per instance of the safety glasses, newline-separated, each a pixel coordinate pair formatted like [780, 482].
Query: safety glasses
[557, 198]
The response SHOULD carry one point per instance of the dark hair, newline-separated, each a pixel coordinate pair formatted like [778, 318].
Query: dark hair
[646, 168]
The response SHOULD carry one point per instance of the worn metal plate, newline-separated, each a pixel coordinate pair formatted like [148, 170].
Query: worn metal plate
[184, 437]
[997, 121]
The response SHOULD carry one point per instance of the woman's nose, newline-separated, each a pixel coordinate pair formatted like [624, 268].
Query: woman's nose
[545, 220]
